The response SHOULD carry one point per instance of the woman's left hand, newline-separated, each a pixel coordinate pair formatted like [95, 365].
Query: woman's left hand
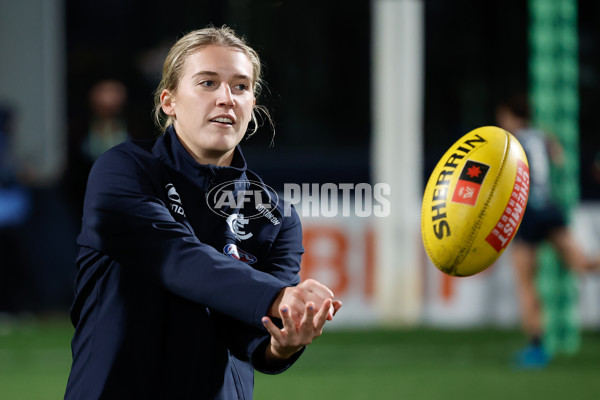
[292, 338]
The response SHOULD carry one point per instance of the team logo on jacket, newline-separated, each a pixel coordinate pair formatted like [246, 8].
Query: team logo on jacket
[174, 200]
[233, 251]
[252, 198]
[237, 223]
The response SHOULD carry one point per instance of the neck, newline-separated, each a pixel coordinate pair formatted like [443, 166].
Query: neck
[221, 160]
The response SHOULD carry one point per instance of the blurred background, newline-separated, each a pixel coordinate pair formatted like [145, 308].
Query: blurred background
[361, 92]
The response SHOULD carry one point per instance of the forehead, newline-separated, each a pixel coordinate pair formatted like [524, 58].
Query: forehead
[225, 61]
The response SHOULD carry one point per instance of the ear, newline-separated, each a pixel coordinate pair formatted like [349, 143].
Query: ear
[167, 101]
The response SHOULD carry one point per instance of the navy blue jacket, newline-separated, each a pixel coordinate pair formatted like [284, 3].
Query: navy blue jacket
[168, 300]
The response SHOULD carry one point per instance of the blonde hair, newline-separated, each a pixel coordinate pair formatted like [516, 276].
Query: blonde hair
[193, 42]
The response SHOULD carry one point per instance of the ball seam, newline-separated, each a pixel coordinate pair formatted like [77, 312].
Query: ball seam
[477, 226]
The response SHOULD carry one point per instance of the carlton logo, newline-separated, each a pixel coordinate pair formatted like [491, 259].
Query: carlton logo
[233, 251]
[251, 198]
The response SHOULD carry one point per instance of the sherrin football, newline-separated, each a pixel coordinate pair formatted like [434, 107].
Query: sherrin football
[474, 201]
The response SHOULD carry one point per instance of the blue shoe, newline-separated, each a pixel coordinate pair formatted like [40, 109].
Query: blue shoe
[532, 357]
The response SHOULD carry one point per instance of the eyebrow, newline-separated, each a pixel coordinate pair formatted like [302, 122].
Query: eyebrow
[212, 73]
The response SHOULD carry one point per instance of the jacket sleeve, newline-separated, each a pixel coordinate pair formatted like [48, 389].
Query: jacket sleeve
[286, 252]
[246, 342]
[125, 219]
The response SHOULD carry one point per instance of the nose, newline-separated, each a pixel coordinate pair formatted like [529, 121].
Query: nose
[224, 96]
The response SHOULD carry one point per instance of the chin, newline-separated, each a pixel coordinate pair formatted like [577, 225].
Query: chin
[225, 143]
[223, 146]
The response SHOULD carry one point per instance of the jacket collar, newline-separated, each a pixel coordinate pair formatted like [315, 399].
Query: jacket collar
[170, 151]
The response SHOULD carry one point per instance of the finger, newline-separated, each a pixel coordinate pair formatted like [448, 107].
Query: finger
[336, 306]
[333, 309]
[309, 316]
[322, 315]
[272, 329]
[296, 307]
[286, 317]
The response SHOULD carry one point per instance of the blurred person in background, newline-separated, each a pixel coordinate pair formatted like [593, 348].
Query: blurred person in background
[102, 126]
[543, 221]
[107, 126]
[173, 300]
[15, 208]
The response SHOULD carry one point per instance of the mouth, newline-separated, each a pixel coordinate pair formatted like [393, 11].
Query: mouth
[223, 120]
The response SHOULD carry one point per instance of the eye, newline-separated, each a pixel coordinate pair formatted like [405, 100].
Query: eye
[242, 86]
[207, 83]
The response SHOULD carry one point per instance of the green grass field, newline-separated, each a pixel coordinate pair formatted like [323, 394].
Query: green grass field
[373, 365]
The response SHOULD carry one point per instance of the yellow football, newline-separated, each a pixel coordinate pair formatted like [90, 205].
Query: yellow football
[474, 201]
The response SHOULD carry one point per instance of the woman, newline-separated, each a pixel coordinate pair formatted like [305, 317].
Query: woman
[174, 298]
